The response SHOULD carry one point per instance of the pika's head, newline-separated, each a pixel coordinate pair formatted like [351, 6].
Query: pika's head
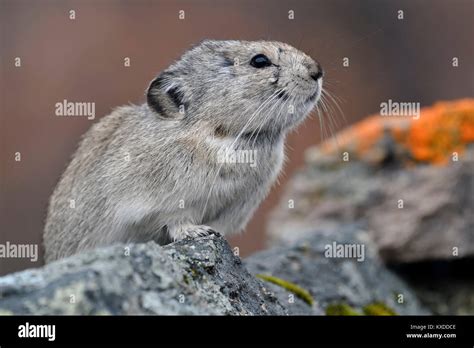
[239, 86]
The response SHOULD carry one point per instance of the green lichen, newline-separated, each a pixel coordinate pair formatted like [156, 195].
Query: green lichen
[378, 308]
[186, 279]
[341, 309]
[291, 287]
[374, 308]
[194, 273]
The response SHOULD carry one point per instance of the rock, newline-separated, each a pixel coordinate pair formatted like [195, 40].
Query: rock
[203, 276]
[334, 281]
[444, 286]
[188, 277]
[409, 182]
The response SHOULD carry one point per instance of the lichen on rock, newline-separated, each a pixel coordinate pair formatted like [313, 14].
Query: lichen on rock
[333, 280]
[195, 277]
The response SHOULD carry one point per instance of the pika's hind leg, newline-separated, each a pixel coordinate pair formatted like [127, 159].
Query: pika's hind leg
[183, 231]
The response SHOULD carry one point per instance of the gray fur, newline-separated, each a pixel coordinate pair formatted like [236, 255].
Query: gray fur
[135, 168]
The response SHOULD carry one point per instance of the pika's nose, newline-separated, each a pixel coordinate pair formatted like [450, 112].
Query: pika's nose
[316, 75]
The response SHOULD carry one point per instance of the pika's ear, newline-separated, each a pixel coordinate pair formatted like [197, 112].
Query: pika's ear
[165, 98]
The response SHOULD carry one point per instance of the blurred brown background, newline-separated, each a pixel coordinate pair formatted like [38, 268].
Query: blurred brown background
[83, 60]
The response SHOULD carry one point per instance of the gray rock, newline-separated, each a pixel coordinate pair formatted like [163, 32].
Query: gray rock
[453, 297]
[445, 287]
[436, 219]
[332, 280]
[202, 277]
[188, 277]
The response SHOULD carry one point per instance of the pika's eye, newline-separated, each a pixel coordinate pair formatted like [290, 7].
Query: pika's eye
[260, 61]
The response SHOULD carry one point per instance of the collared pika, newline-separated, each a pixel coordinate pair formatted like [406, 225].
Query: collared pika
[199, 155]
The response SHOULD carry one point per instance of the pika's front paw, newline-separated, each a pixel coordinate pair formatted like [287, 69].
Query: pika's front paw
[190, 232]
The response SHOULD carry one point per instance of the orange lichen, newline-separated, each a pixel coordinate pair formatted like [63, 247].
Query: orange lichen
[441, 130]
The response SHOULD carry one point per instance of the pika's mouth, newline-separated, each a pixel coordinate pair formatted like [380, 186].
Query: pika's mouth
[285, 96]
[313, 96]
